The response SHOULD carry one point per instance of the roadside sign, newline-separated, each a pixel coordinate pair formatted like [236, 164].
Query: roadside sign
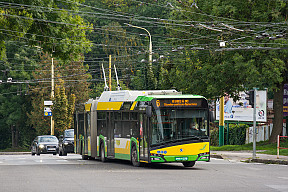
[49, 103]
[47, 111]
[47, 114]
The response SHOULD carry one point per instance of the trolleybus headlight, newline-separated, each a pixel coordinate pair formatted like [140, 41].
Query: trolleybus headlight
[155, 154]
[41, 146]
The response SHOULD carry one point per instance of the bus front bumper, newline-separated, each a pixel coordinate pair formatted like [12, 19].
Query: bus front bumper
[156, 158]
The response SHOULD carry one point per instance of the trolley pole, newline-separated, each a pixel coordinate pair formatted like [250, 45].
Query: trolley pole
[221, 122]
[52, 93]
[110, 76]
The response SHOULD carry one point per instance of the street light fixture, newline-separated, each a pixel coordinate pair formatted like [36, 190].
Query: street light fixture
[150, 50]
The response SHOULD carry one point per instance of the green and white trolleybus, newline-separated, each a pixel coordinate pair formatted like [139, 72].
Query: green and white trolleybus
[144, 127]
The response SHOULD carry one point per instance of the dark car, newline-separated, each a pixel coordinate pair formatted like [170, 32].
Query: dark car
[66, 142]
[45, 144]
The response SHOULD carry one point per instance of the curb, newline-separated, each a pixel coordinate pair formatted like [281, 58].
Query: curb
[265, 161]
[269, 161]
[14, 153]
[216, 156]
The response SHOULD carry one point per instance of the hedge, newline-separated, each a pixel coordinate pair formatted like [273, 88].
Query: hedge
[237, 134]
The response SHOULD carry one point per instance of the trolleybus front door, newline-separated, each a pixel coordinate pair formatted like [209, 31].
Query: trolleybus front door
[143, 151]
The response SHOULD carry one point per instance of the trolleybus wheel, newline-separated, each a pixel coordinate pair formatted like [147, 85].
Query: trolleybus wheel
[84, 157]
[189, 164]
[102, 155]
[134, 157]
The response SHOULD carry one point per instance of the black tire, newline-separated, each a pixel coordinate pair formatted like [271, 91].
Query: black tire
[189, 164]
[134, 157]
[32, 153]
[84, 157]
[54, 153]
[102, 153]
[37, 152]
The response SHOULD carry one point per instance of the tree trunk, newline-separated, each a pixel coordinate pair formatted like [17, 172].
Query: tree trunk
[16, 139]
[13, 136]
[278, 114]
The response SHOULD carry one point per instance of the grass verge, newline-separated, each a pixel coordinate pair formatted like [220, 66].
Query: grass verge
[18, 149]
[264, 146]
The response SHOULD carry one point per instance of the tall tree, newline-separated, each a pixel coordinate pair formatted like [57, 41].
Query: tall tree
[232, 70]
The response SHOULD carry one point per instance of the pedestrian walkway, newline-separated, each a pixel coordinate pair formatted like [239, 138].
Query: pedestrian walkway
[246, 156]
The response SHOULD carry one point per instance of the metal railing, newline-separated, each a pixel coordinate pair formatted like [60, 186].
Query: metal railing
[278, 145]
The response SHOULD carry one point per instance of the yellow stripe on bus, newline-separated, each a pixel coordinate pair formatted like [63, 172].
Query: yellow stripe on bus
[185, 149]
[133, 105]
[87, 107]
[109, 105]
[122, 151]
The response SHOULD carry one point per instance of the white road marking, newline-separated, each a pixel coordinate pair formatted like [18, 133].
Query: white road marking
[283, 178]
[282, 188]
[63, 160]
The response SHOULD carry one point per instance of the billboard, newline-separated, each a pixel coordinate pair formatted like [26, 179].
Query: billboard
[285, 100]
[242, 110]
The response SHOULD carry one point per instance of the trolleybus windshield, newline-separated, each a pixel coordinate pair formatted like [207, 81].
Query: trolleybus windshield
[170, 125]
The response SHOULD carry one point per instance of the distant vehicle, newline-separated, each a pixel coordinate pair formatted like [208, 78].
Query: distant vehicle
[45, 144]
[66, 142]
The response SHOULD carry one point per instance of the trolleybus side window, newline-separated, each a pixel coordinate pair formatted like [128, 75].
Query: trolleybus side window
[101, 123]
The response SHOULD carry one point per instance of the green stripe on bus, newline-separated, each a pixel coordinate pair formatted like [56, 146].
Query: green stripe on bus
[144, 98]
[122, 156]
[185, 158]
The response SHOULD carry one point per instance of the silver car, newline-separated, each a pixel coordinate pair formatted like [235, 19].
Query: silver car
[45, 144]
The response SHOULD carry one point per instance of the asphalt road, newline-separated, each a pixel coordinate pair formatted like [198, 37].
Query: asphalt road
[21, 173]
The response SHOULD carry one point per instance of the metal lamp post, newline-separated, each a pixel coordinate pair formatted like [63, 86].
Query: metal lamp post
[150, 48]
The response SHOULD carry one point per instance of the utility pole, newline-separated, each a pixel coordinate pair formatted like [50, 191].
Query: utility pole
[254, 125]
[52, 93]
[110, 75]
[221, 122]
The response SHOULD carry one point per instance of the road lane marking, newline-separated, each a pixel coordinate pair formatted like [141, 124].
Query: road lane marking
[63, 160]
[283, 178]
[282, 188]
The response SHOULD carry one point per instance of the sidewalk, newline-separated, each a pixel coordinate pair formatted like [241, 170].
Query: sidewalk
[246, 156]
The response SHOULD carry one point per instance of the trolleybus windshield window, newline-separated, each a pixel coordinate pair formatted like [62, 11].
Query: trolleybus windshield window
[169, 125]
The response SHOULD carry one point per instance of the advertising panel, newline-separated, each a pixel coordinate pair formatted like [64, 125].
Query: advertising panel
[242, 110]
[285, 100]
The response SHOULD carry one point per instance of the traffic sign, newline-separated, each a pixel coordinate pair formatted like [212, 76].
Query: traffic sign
[47, 114]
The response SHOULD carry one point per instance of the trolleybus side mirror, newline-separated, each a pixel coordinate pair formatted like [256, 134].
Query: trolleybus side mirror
[211, 116]
[149, 111]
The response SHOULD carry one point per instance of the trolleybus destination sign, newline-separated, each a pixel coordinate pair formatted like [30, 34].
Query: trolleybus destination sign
[178, 103]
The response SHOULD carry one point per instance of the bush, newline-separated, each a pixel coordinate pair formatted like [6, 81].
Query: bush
[237, 134]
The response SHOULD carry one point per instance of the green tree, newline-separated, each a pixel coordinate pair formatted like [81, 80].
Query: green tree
[62, 109]
[58, 30]
[71, 78]
[215, 73]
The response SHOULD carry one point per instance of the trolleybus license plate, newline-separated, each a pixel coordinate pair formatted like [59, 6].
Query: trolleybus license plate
[181, 158]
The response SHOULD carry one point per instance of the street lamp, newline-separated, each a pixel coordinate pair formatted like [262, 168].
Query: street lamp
[150, 51]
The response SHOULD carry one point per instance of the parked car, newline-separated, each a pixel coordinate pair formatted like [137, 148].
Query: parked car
[45, 144]
[66, 142]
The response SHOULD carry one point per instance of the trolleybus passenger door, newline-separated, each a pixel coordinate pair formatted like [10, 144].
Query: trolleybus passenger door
[110, 129]
[143, 125]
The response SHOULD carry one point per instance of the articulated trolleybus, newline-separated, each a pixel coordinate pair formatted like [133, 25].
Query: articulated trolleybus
[144, 127]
